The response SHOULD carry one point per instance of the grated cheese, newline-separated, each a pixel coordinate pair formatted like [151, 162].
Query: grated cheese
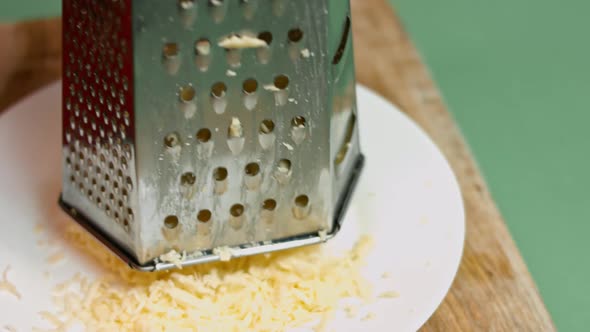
[369, 316]
[225, 253]
[10, 328]
[306, 53]
[55, 257]
[271, 292]
[231, 73]
[7, 286]
[389, 295]
[271, 87]
[237, 42]
[172, 257]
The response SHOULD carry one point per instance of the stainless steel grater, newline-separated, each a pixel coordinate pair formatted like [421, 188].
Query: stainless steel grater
[215, 128]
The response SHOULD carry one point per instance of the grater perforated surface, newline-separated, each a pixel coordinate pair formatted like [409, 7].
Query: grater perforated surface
[98, 112]
[206, 124]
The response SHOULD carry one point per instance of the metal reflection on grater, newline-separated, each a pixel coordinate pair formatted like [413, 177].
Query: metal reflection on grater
[198, 126]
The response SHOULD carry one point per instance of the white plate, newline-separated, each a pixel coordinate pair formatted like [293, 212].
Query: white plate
[407, 198]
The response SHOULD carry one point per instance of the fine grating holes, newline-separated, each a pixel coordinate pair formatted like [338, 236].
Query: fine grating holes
[236, 219]
[302, 201]
[202, 52]
[266, 36]
[301, 207]
[170, 58]
[186, 4]
[220, 174]
[203, 47]
[284, 165]
[283, 171]
[250, 86]
[269, 205]
[267, 126]
[171, 222]
[204, 216]
[203, 135]
[237, 210]
[170, 50]
[171, 140]
[298, 121]
[252, 169]
[298, 129]
[295, 35]
[188, 179]
[218, 90]
[281, 82]
[220, 177]
[187, 94]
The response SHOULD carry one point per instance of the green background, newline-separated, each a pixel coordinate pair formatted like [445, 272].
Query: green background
[515, 74]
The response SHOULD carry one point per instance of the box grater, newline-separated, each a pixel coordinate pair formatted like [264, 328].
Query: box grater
[208, 129]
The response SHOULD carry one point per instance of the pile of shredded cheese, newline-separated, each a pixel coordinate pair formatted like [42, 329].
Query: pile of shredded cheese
[272, 292]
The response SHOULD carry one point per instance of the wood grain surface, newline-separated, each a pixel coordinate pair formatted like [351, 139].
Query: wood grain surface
[493, 290]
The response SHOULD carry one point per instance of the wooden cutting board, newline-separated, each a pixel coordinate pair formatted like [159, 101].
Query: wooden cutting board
[493, 290]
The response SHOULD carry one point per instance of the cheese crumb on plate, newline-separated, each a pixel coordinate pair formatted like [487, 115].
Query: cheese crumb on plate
[7, 286]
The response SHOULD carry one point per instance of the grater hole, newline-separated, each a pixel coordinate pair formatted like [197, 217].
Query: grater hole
[302, 201]
[170, 51]
[298, 122]
[186, 4]
[237, 210]
[252, 169]
[250, 86]
[130, 214]
[204, 135]
[267, 126]
[284, 165]
[129, 183]
[187, 94]
[281, 82]
[72, 179]
[203, 47]
[295, 35]
[171, 222]
[269, 205]
[188, 179]
[220, 174]
[204, 216]
[266, 36]
[172, 140]
[218, 90]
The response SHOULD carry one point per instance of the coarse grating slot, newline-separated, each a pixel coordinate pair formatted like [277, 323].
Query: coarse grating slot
[203, 126]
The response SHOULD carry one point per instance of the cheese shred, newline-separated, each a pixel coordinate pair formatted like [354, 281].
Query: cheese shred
[272, 292]
[7, 286]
